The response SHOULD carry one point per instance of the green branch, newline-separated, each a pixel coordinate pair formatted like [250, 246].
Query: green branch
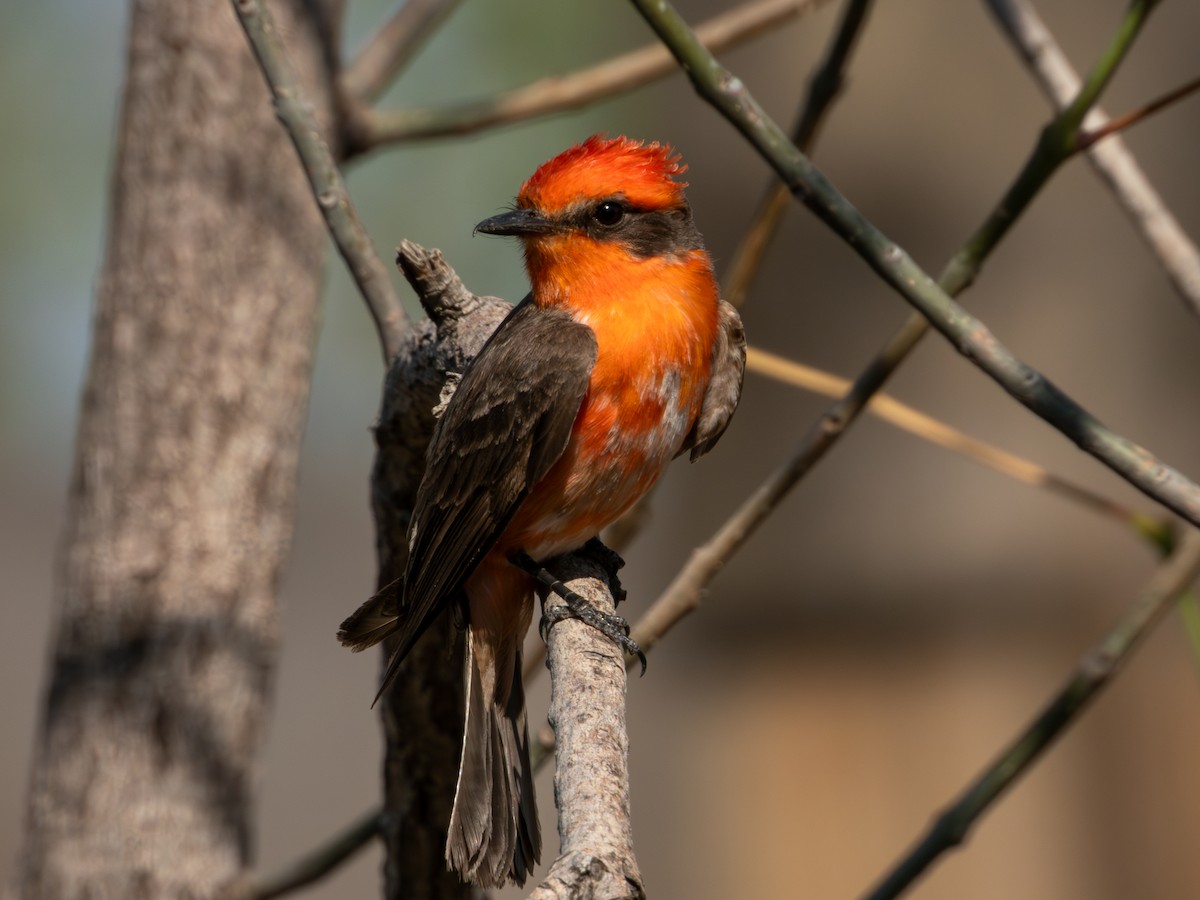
[823, 88]
[1091, 675]
[969, 335]
[333, 199]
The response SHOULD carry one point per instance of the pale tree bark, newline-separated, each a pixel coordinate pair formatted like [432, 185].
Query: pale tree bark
[181, 505]
[591, 778]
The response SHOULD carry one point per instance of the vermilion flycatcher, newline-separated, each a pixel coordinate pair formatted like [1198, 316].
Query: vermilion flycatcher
[622, 358]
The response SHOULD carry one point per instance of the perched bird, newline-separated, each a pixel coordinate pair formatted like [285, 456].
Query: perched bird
[622, 357]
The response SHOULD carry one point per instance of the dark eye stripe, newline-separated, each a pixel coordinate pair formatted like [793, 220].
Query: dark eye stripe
[652, 232]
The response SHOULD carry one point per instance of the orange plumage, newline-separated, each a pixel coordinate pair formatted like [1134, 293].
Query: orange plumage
[589, 170]
[622, 357]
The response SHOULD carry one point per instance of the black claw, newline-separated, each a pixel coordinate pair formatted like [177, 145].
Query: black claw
[637, 651]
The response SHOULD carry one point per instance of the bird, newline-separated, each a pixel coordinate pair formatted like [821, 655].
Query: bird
[622, 357]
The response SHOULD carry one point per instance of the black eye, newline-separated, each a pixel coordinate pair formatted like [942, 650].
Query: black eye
[609, 213]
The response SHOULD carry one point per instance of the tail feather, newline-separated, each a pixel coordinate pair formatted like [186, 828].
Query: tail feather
[494, 835]
[375, 620]
[380, 617]
[528, 850]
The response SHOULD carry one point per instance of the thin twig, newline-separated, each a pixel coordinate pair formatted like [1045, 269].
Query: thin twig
[1175, 251]
[318, 863]
[965, 332]
[915, 422]
[1093, 672]
[823, 88]
[1128, 120]
[346, 228]
[389, 49]
[564, 92]
[1053, 146]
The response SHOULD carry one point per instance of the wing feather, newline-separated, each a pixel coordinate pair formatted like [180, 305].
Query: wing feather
[506, 425]
[724, 384]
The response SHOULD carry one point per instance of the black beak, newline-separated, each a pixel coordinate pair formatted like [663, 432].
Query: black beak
[520, 222]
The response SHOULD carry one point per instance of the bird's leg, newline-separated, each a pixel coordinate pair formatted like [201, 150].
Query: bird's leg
[615, 628]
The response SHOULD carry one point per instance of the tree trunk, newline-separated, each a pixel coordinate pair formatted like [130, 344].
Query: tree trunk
[182, 499]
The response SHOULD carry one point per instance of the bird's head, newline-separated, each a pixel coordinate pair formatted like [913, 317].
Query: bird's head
[602, 203]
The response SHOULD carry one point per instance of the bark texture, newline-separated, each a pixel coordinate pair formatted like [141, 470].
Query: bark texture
[423, 710]
[591, 778]
[181, 504]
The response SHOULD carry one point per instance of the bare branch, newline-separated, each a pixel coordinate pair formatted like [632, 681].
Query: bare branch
[1131, 118]
[915, 422]
[824, 87]
[591, 782]
[390, 48]
[1094, 671]
[1112, 160]
[563, 92]
[966, 333]
[333, 199]
[315, 865]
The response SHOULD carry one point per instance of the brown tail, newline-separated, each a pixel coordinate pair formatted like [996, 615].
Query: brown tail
[379, 618]
[494, 836]
[373, 621]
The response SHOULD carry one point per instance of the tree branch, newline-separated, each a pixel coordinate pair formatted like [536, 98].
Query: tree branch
[1112, 160]
[316, 864]
[1128, 120]
[965, 332]
[1095, 670]
[328, 187]
[915, 422]
[563, 92]
[389, 49]
[823, 88]
[683, 594]
[591, 782]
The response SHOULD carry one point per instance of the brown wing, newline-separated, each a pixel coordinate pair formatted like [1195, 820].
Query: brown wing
[506, 425]
[724, 384]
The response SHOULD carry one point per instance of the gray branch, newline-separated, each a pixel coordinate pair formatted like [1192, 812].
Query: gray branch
[1111, 158]
[591, 781]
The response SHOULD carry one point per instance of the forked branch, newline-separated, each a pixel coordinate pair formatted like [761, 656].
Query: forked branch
[1170, 244]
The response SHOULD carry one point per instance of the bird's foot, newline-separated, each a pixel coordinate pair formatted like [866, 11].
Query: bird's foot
[615, 628]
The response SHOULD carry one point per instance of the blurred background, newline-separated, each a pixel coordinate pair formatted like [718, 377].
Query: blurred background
[904, 613]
